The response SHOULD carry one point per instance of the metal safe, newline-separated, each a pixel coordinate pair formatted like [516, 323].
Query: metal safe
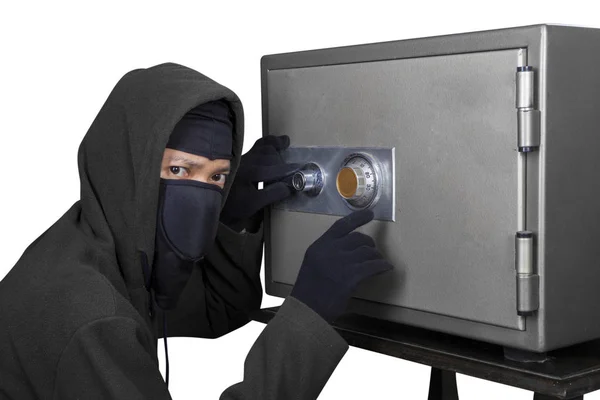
[479, 154]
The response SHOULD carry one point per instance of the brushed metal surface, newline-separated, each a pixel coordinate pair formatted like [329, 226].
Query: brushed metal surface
[452, 120]
[529, 128]
[528, 287]
[524, 253]
[525, 89]
[330, 159]
[570, 187]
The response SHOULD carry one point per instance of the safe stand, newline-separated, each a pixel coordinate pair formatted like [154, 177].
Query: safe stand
[568, 373]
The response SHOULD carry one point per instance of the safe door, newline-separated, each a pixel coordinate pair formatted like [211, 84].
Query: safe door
[451, 123]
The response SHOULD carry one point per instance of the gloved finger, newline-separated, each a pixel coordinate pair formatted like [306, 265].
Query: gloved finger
[257, 159]
[271, 194]
[257, 172]
[271, 173]
[355, 240]
[371, 268]
[278, 142]
[364, 253]
[350, 222]
[353, 258]
[264, 151]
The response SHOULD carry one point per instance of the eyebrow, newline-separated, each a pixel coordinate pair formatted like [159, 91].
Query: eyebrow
[194, 163]
[222, 170]
[185, 160]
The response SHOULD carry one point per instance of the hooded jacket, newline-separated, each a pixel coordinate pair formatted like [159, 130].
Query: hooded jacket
[76, 318]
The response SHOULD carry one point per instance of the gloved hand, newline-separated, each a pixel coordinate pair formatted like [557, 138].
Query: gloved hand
[262, 163]
[335, 264]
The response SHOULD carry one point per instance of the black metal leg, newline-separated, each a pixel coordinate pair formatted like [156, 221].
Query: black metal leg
[538, 396]
[442, 385]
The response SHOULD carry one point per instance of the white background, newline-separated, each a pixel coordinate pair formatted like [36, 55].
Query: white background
[60, 60]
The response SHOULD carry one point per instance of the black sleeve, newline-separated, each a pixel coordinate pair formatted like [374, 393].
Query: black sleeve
[110, 358]
[222, 290]
[293, 357]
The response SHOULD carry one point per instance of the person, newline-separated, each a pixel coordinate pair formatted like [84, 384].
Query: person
[166, 240]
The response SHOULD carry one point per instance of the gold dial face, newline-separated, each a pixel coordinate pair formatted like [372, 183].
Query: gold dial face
[347, 182]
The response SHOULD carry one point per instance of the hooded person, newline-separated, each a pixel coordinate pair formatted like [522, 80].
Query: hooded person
[81, 311]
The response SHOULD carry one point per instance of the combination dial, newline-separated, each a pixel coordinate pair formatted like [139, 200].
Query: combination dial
[357, 181]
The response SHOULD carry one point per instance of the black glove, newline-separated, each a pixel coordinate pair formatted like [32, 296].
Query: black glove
[262, 163]
[335, 264]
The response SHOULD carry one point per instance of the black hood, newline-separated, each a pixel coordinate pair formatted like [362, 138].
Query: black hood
[76, 317]
[120, 158]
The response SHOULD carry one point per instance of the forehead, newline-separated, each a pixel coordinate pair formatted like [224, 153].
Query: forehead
[192, 160]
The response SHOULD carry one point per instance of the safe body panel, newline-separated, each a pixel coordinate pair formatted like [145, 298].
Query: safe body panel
[447, 106]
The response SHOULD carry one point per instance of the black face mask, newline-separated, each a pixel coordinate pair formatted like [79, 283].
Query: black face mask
[187, 222]
[188, 210]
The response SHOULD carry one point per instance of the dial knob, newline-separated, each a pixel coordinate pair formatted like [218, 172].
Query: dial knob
[351, 182]
[357, 181]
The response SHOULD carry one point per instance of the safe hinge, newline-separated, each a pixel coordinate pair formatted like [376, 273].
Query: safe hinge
[528, 118]
[528, 282]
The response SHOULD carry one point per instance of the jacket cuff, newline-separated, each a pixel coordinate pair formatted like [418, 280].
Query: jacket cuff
[239, 240]
[314, 325]
[244, 249]
[236, 237]
[250, 224]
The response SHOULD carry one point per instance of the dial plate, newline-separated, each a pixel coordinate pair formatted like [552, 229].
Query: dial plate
[330, 160]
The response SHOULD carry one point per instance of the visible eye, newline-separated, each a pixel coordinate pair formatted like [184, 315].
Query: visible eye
[219, 178]
[177, 171]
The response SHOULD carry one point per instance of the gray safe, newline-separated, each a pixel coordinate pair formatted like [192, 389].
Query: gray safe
[495, 136]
